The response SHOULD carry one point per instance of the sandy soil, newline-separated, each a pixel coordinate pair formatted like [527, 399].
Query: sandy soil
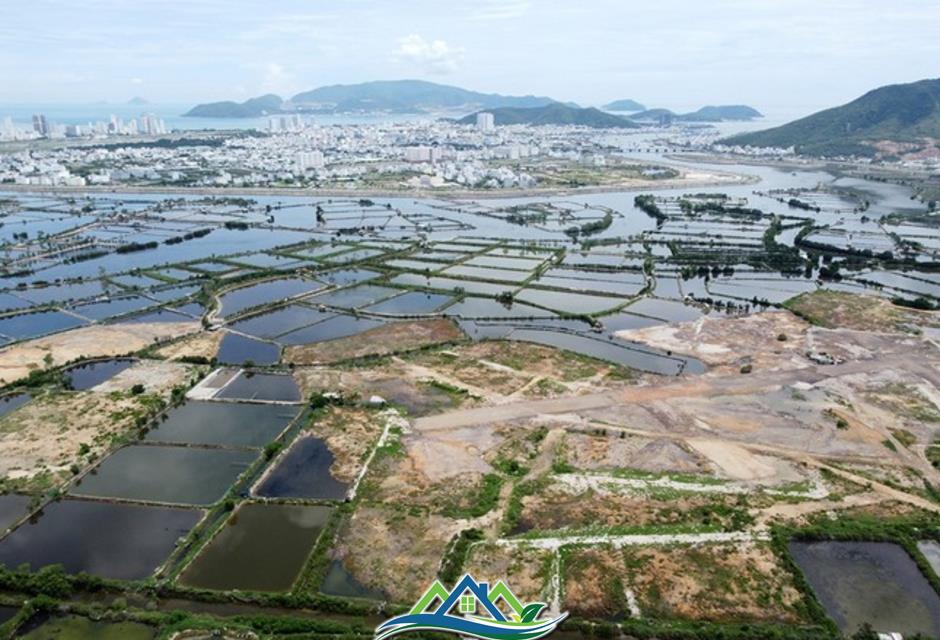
[20, 359]
[396, 337]
[349, 434]
[838, 310]
[204, 344]
[156, 376]
[728, 343]
[395, 550]
[720, 582]
[525, 570]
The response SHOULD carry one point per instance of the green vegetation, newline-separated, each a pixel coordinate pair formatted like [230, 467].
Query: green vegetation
[555, 114]
[903, 113]
[456, 556]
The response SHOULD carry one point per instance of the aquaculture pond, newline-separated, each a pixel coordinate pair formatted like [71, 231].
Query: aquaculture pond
[262, 547]
[339, 326]
[264, 387]
[12, 508]
[7, 613]
[223, 423]
[874, 582]
[91, 374]
[31, 325]
[120, 541]
[12, 402]
[237, 349]
[280, 321]
[410, 303]
[303, 472]
[78, 628]
[620, 352]
[238, 300]
[339, 582]
[931, 551]
[166, 474]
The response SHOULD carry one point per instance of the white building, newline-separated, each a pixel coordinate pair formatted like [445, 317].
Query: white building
[485, 121]
[306, 160]
[417, 154]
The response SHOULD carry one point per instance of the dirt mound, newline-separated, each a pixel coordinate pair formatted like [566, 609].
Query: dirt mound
[19, 360]
[392, 338]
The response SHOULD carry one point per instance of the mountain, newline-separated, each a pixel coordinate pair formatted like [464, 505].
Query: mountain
[556, 114]
[137, 100]
[248, 109]
[705, 114]
[406, 96]
[723, 113]
[662, 116]
[901, 113]
[624, 105]
[394, 96]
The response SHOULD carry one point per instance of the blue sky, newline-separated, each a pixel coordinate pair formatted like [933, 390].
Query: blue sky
[793, 55]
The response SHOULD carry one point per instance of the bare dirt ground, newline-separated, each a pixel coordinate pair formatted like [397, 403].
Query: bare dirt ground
[838, 310]
[526, 570]
[741, 582]
[502, 372]
[155, 376]
[596, 451]
[20, 359]
[204, 344]
[396, 337]
[726, 343]
[394, 549]
[350, 434]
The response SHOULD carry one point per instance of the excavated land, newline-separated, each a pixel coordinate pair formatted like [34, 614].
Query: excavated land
[97, 341]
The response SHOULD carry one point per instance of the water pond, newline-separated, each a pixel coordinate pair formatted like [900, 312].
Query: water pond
[78, 628]
[242, 555]
[339, 582]
[237, 349]
[11, 402]
[303, 472]
[224, 423]
[170, 475]
[12, 508]
[91, 374]
[875, 582]
[262, 387]
[120, 541]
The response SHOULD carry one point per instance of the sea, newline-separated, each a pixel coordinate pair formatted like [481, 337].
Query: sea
[172, 116]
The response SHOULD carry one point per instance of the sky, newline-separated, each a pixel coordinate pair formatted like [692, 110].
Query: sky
[776, 55]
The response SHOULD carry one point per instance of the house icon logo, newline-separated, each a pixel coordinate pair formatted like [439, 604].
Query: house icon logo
[472, 609]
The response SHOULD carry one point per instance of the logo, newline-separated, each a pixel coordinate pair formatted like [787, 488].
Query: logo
[469, 598]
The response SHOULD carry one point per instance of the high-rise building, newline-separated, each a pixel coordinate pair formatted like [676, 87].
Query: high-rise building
[40, 124]
[485, 121]
[418, 154]
[306, 160]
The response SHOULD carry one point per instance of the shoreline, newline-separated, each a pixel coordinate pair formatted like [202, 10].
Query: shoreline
[733, 180]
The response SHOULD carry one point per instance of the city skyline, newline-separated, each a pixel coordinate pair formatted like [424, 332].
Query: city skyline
[675, 54]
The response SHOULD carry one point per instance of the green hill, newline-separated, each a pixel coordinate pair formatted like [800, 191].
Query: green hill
[393, 96]
[413, 96]
[896, 113]
[555, 114]
[248, 109]
[624, 105]
[723, 113]
[705, 114]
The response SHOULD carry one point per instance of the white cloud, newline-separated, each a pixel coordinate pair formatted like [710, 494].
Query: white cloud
[435, 56]
[277, 80]
[136, 81]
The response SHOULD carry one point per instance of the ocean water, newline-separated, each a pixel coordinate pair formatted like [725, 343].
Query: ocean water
[172, 115]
